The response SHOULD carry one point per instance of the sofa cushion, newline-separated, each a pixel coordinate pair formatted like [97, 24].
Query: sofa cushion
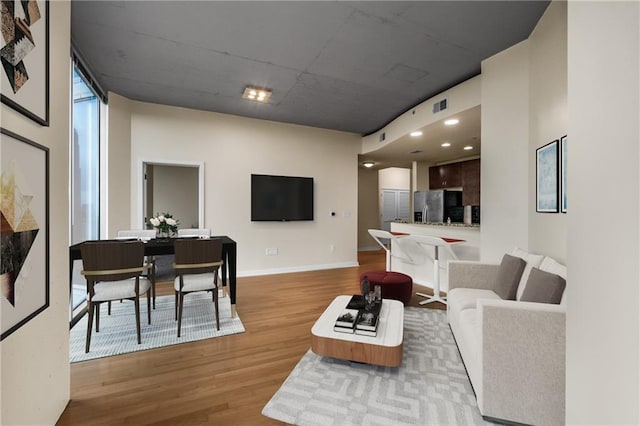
[543, 287]
[508, 278]
[533, 261]
[548, 264]
[460, 299]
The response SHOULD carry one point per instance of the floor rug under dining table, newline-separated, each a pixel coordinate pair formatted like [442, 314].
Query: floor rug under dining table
[118, 331]
[431, 386]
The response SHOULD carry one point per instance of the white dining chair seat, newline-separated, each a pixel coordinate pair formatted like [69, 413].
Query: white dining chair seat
[194, 232]
[123, 289]
[140, 234]
[196, 282]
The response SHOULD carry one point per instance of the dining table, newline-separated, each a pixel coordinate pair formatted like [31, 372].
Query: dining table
[165, 246]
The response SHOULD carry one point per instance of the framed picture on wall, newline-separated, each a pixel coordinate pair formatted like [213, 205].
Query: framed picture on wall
[24, 53]
[547, 178]
[25, 230]
[563, 174]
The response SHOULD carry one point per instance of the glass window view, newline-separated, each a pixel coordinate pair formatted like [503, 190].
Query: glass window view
[85, 173]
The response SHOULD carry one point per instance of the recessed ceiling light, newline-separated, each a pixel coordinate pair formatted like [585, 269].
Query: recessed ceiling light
[368, 164]
[468, 147]
[445, 145]
[416, 133]
[256, 94]
[451, 121]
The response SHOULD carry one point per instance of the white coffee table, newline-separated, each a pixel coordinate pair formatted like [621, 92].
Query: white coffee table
[384, 349]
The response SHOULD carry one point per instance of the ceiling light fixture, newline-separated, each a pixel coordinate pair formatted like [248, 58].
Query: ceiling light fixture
[416, 133]
[468, 147]
[256, 94]
[451, 122]
[445, 145]
[368, 164]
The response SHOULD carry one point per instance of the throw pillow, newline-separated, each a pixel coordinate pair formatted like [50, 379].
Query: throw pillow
[543, 287]
[508, 278]
[533, 261]
[550, 265]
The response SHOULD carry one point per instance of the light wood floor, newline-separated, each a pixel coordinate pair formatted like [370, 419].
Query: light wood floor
[226, 380]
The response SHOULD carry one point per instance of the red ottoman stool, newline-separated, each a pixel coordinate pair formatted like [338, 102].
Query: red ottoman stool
[394, 285]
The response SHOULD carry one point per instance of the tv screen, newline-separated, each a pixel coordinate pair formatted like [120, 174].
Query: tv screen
[281, 198]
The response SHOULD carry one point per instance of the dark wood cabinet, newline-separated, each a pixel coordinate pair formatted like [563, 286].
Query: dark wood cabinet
[445, 176]
[465, 174]
[471, 182]
[434, 178]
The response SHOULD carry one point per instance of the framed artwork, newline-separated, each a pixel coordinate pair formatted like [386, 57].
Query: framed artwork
[24, 234]
[563, 174]
[24, 54]
[547, 178]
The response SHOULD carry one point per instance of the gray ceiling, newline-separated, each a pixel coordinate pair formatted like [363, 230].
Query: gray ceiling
[351, 66]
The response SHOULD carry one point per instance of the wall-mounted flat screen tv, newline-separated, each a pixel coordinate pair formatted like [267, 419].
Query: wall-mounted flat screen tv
[281, 198]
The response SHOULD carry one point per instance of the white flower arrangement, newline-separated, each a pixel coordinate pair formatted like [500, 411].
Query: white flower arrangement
[164, 223]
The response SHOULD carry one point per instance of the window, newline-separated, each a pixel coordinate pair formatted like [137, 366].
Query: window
[85, 173]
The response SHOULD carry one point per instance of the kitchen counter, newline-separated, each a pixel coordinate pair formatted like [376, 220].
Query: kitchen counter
[453, 224]
[419, 262]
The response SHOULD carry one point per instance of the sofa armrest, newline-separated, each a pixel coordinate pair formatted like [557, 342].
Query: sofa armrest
[470, 274]
[523, 361]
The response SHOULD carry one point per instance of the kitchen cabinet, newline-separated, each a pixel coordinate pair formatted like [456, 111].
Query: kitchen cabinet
[465, 174]
[445, 176]
[471, 182]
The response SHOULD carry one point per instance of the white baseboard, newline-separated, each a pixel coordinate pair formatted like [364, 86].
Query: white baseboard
[304, 268]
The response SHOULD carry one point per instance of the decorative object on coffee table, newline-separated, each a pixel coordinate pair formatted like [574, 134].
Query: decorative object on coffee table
[384, 349]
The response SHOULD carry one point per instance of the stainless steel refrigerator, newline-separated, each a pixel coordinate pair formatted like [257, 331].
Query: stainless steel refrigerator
[437, 205]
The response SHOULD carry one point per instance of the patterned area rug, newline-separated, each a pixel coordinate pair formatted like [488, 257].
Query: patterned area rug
[431, 386]
[118, 331]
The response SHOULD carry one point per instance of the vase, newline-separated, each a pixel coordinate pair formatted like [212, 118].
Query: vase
[162, 234]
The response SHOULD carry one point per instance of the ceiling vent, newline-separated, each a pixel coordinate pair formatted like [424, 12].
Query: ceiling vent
[417, 151]
[383, 136]
[440, 106]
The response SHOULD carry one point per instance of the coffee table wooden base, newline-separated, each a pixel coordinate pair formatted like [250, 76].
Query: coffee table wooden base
[359, 352]
[385, 349]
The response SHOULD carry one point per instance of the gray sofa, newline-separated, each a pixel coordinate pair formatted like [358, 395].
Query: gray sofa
[513, 350]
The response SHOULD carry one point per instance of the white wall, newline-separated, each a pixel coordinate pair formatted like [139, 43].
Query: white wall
[505, 152]
[394, 178]
[604, 214]
[548, 119]
[368, 208]
[459, 98]
[35, 358]
[175, 190]
[524, 106]
[420, 176]
[234, 147]
[119, 170]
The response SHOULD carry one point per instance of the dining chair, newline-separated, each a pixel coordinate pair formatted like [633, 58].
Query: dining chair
[113, 271]
[197, 262]
[143, 235]
[194, 232]
[140, 234]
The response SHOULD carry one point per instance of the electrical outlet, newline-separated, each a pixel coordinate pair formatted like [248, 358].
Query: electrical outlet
[271, 251]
